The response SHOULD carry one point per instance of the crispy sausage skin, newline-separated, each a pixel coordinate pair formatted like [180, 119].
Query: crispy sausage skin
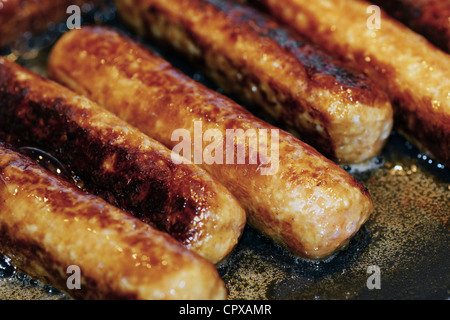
[119, 163]
[427, 17]
[47, 225]
[342, 114]
[412, 71]
[307, 203]
[33, 16]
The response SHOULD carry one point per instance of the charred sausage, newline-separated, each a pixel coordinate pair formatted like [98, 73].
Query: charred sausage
[119, 163]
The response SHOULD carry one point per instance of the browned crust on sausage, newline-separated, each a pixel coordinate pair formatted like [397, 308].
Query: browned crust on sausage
[427, 17]
[47, 225]
[341, 113]
[119, 163]
[410, 69]
[310, 204]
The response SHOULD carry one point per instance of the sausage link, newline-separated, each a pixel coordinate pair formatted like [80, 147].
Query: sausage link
[303, 200]
[18, 17]
[413, 72]
[48, 225]
[427, 17]
[119, 163]
[342, 114]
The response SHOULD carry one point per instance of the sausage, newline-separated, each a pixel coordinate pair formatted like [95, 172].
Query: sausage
[413, 72]
[341, 113]
[302, 200]
[18, 17]
[119, 163]
[427, 17]
[48, 227]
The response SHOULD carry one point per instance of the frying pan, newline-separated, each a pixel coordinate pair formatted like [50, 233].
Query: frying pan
[401, 253]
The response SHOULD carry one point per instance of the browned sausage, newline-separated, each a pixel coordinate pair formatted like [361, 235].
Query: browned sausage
[341, 113]
[427, 17]
[47, 225]
[302, 199]
[412, 71]
[18, 17]
[120, 163]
